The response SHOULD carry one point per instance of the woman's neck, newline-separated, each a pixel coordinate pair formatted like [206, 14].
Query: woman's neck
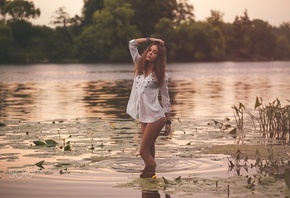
[148, 69]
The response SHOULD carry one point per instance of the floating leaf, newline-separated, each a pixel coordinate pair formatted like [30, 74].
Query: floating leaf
[178, 178]
[258, 103]
[40, 164]
[51, 143]
[234, 131]
[165, 180]
[67, 148]
[39, 143]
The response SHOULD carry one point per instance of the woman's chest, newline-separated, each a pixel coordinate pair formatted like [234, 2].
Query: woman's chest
[144, 83]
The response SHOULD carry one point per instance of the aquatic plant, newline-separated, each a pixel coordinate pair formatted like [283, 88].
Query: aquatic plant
[48, 143]
[273, 119]
[40, 164]
[268, 170]
[239, 115]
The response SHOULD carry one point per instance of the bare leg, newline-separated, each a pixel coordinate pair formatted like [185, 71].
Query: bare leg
[152, 150]
[148, 172]
[150, 132]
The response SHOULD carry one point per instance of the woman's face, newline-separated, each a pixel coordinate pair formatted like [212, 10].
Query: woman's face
[152, 54]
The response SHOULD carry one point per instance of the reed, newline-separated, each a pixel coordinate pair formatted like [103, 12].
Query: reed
[273, 119]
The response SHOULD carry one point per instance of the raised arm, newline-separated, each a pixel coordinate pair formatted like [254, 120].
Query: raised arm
[134, 43]
[149, 40]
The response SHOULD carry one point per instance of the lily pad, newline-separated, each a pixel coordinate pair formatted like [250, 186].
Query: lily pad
[51, 143]
[40, 164]
[39, 143]
[67, 148]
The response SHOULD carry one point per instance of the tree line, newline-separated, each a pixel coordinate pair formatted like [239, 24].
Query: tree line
[102, 32]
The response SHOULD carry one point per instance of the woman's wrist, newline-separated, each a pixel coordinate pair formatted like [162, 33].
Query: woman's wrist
[148, 40]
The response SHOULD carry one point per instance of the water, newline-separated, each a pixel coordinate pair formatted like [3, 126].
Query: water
[197, 90]
[85, 105]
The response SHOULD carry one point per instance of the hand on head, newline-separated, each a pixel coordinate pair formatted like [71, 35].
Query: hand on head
[159, 41]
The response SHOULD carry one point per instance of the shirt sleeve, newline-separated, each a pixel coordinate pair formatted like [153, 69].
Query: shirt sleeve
[133, 47]
[165, 99]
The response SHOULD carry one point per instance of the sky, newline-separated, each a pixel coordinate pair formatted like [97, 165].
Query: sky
[273, 11]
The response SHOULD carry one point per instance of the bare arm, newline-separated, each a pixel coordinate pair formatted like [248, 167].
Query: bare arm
[148, 39]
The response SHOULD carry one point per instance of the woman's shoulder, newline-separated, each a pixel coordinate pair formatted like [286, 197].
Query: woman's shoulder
[133, 42]
[133, 45]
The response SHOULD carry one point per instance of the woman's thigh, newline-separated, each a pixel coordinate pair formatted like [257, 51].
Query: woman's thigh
[150, 131]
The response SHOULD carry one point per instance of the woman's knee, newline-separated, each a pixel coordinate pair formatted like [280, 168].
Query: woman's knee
[143, 153]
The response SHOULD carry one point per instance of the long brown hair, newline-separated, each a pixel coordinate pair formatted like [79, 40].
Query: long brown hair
[159, 65]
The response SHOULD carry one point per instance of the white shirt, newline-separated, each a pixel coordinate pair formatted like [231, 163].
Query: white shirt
[143, 103]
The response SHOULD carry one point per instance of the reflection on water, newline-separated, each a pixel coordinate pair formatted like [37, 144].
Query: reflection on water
[46, 92]
[152, 194]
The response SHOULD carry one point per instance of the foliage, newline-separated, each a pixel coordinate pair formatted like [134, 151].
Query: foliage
[20, 10]
[102, 32]
[6, 40]
[268, 170]
[106, 39]
[239, 115]
[90, 6]
[61, 18]
[273, 118]
[148, 13]
[216, 18]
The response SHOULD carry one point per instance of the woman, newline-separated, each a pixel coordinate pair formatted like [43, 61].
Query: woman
[150, 80]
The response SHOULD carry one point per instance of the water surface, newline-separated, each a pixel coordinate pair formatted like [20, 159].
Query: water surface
[84, 104]
[197, 90]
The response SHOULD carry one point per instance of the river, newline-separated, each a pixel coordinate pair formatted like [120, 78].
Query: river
[55, 91]
[82, 106]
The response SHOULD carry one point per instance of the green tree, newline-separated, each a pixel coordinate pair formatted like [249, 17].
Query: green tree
[183, 12]
[106, 39]
[2, 4]
[60, 45]
[20, 10]
[285, 29]
[22, 32]
[89, 8]
[148, 13]
[262, 40]
[240, 38]
[39, 49]
[165, 29]
[196, 41]
[6, 43]
[216, 18]
[282, 50]
[61, 18]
